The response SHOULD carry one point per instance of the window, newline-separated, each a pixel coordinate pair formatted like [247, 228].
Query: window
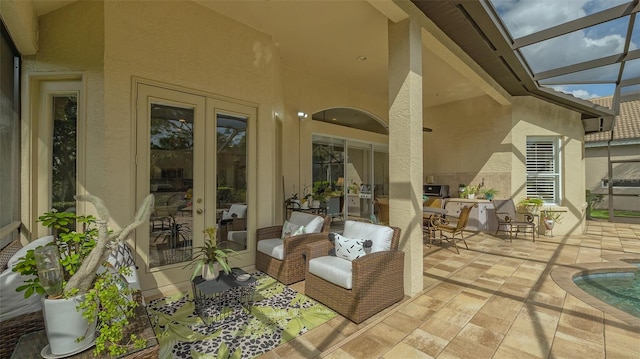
[543, 174]
[9, 139]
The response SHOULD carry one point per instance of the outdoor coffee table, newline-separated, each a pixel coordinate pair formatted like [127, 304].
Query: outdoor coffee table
[215, 299]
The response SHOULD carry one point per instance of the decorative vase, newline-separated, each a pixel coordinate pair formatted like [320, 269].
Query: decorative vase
[549, 223]
[64, 324]
[210, 271]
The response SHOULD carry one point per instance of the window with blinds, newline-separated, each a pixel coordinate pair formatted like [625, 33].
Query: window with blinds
[543, 174]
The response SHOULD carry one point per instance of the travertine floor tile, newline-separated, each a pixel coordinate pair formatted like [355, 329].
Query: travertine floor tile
[495, 300]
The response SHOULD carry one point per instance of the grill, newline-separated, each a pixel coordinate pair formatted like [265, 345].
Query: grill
[436, 190]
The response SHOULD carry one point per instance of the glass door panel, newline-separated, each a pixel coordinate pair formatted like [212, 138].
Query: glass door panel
[171, 175]
[328, 170]
[231, 178]
[360, 181]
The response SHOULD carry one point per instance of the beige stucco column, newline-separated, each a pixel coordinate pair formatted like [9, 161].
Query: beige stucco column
[405, 145]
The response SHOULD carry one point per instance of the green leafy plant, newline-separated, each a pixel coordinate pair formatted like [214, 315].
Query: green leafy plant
[110, 300]
[530, 204]
[489, 193]
[470, 189]
[209, 254]
[73, 248]
[592, 200]
[80, 255]
[552, 215]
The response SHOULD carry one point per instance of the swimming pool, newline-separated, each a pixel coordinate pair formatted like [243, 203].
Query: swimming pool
[621, 290]
[611, 286]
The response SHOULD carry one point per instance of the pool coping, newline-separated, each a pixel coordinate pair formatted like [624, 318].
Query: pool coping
[617, 263]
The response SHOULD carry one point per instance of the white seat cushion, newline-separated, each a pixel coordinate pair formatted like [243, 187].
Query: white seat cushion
[239, 237]
[380, 236]
[272, 247]
[332, 269]
[311, 222]
[12, 303]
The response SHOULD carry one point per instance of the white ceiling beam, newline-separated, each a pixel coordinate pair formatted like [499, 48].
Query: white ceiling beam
[575, 25]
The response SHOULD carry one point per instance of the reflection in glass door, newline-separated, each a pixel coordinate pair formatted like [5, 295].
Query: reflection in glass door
[171, 182]
[359, 177]
[328, 174]
[231, 178]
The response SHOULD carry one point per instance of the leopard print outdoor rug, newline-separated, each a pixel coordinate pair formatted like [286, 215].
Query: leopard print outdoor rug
[278, 315]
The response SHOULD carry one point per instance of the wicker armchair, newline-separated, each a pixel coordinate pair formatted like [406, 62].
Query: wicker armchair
[291, 267]
[377, 278]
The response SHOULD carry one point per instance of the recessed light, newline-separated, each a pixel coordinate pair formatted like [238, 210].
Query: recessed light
[362, 58]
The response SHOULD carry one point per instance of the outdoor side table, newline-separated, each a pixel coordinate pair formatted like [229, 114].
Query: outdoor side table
[215, 299]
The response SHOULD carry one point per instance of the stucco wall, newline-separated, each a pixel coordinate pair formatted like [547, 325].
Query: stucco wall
[478, 138]
[597, 170]
[70, 47]
[534, 117]
[471, 140]
[186, 45]
[311, 94]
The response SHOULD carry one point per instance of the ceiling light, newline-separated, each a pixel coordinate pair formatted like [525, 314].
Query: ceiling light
[362, 58]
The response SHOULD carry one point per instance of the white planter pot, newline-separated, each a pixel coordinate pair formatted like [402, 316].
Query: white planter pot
[549, 223]
[315, 204]
[471, 196]
[305, 205]
[64, 324]
[210, 272]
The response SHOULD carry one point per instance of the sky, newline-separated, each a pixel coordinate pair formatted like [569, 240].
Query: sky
[523, 17]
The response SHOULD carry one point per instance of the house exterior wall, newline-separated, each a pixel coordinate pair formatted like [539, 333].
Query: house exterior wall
[71, 44]
[597, 163]
[479, 139]
[471, 140]
[534, 117]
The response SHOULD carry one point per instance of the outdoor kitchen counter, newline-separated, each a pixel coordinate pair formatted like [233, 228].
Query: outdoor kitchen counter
[482, 218]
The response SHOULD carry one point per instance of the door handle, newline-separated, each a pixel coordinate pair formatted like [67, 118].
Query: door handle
[199, 211]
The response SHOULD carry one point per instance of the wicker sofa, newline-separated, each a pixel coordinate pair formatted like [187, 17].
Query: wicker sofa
[375, 280]
[291, 268]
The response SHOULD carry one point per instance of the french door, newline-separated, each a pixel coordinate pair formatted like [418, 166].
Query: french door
[192, 155]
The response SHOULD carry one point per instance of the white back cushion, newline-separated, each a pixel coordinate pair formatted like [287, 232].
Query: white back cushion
[240, 210]
[380, 236]
[311, 222]
[12, 303]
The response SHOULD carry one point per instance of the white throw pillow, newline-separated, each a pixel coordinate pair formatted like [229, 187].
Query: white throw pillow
[290, 229]
[349, 248]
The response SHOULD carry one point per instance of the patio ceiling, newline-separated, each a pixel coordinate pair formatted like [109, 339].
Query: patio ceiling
[328, 39]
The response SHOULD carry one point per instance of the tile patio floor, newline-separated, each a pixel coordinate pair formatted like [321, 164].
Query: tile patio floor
[495, 300]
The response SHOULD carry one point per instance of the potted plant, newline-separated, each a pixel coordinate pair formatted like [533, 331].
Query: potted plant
[470, 191]
[95, 297]
[550, 218]
[530, 204]
[489, 193]
[209, 257]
